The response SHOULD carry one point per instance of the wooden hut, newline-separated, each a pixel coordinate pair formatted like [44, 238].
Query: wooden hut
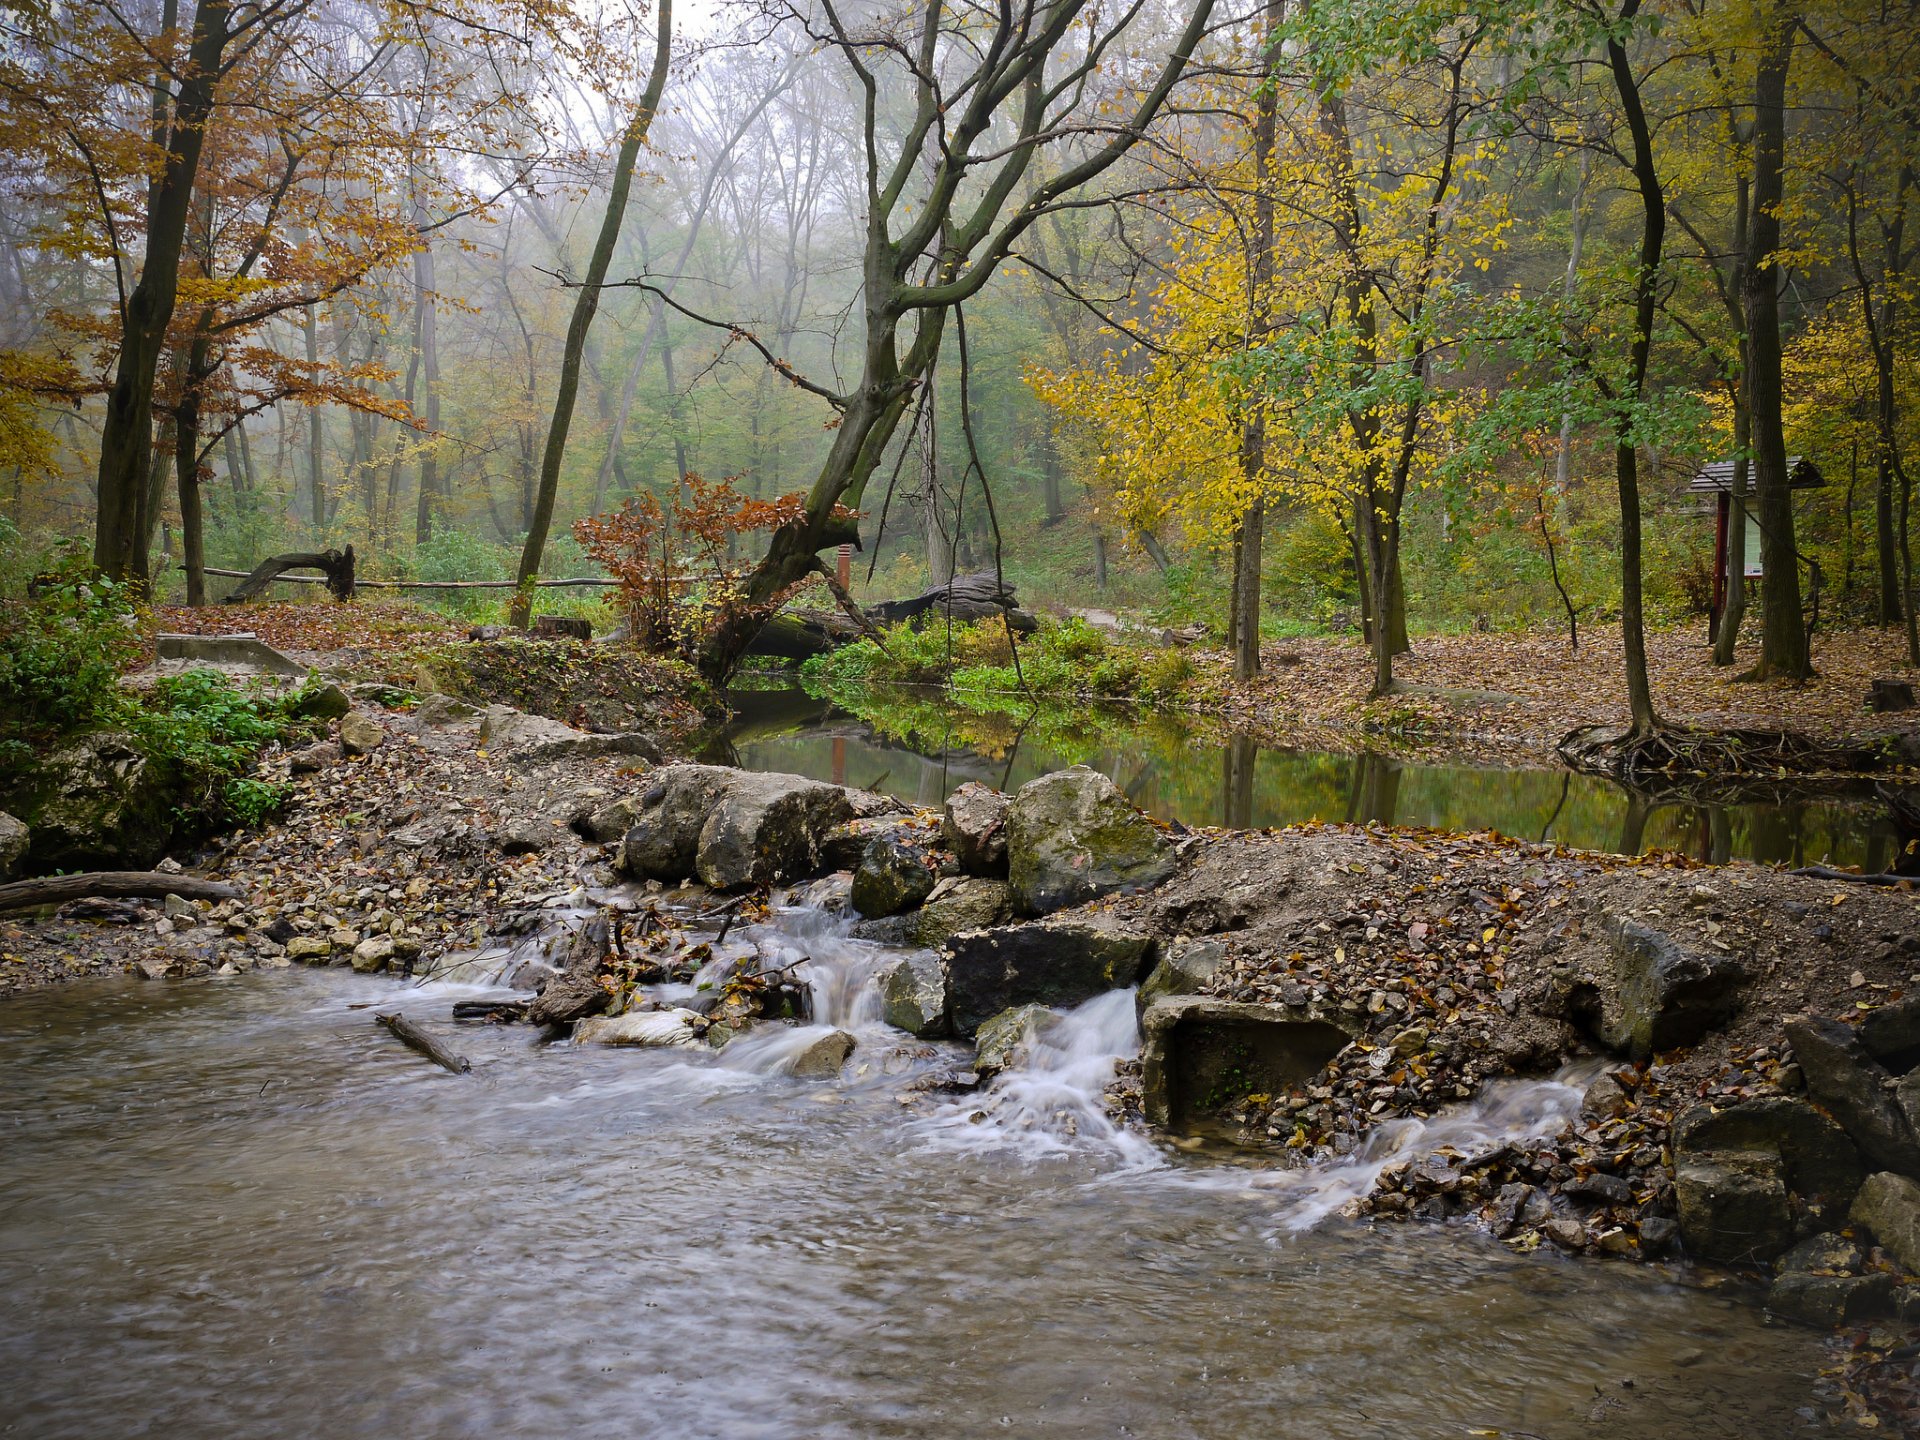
[1716, 479]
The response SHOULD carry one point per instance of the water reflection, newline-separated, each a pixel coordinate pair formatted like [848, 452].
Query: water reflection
[920, 750]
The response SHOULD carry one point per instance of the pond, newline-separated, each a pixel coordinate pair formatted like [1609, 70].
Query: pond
[919, 747]
[240, 1208]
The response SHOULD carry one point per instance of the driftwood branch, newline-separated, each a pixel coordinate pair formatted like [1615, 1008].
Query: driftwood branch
[335, 566]
[411, 1035]
[119, 884]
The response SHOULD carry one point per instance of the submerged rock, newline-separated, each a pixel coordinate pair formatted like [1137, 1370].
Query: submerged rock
[568, 997]
[1199, 1055]
[823, 1059]
[974, 828]
[654, 1028]
[1005, 1041]
[1061, 961]
[1665, 995]
[892, 877]
[1072, 836]
[914, 991]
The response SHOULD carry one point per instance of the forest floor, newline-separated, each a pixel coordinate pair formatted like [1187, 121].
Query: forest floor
[1525, 691]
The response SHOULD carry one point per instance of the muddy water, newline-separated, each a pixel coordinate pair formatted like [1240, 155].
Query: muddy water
[238, 1208]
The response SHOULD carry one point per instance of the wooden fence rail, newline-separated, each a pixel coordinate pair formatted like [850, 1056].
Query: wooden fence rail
[360, 584]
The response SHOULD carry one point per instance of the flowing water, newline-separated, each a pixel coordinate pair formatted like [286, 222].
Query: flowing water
[239, 1208]
[921, 747]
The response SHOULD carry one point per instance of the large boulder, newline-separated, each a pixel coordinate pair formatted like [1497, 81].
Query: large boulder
[736, 827]
[823, 1058]
[914, 993]
[1891, 1034]
[892, 877]
[14, 839]
[1072, 836]
[1006, 1040]
[1186, 965]
[974, 828]
[361, 734]
[96, 803]
[1733, 1206]
[1062, 961]
[1856, 1089]
[1665, 995]
[1820, 1163]
[1199, 1055]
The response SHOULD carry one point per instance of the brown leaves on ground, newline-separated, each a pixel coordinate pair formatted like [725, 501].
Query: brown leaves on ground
[358, 634]
[1530, 689]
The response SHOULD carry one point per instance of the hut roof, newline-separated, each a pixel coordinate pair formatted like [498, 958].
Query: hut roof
[1717, 475]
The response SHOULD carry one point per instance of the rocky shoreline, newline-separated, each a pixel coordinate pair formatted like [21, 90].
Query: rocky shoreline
[1751, 1037]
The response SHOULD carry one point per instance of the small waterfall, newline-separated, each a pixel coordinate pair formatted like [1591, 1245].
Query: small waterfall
[1055, 1103]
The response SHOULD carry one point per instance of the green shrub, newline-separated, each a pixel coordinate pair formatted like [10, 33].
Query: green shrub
[64, 640]
[208, 731]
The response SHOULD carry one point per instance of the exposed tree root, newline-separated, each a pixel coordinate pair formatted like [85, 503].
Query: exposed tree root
[1674, 757]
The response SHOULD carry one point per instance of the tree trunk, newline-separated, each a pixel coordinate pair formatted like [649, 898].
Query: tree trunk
[126, 436]
[1783, 638]
[1626, 460]
[316, 435]
[586, 303]
[1246, 619]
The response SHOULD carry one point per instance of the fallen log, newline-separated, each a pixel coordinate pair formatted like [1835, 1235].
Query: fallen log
[117, 884]
[335, 565]
[1827, 872]
[412, 1036]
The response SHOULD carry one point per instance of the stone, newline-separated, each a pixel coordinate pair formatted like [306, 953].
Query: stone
[95, 803]
[1186, 965]
[1820, 1162]
[361, 734]
[179, 908]
[1891, 1034]
[914, 995]
[1072, 836]
[1657, 1234]
[160, 967]
[1061, 961]
[1567, 1234]
[14, 839]
[823, 1058]
[664, 1029]
[315, 757]
[243, 652]
[1199, 1055]
[609, 821]
[1830, 1300]
[1854, 1088]
[373, 953]
[1826, 1254]
[1600, 1188]
[958, 903]
[735, 827]
[1005, 1041]
[1504, 1217]
[523, 837]
[435, 711]
[1665, 995]
[843, 845]
[1733, 1206]
[1888, 1208]
[1606, 1099]
[891, 878]
[310, 949]
[321, 702]
[974, 828]
[536, 740]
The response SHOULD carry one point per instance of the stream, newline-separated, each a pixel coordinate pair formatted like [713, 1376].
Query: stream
[919, 747]
[239, 1208]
